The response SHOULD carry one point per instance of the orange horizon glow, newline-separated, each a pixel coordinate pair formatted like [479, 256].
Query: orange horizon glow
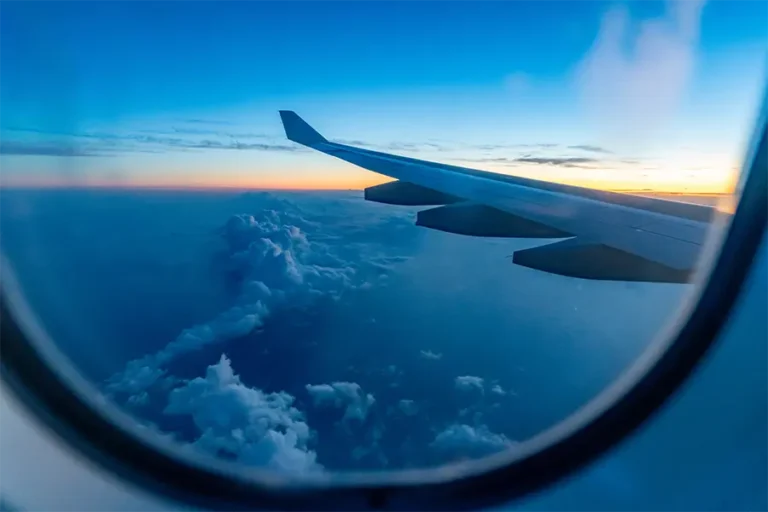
[201, 183]
[325, 184]
[711, 183]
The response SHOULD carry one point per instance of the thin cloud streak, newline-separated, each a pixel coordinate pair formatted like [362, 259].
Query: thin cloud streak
[146, 141]
[569, 162]
[182, 139]
[564, 162]
[592, 149]
[43, 149]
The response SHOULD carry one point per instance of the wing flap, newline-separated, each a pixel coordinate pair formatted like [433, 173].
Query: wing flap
[479, 220]
[588, 260]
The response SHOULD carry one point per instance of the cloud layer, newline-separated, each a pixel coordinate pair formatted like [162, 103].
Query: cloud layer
[198, 134]
[184, 135]
[22, 148]
[275, 264]
[281, 266]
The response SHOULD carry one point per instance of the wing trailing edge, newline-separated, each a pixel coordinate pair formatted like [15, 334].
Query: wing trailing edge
[479, 220]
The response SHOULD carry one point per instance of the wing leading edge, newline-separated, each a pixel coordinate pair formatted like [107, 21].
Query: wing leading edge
[610, 235]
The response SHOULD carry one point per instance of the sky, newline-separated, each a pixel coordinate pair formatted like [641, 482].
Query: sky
[619, 95]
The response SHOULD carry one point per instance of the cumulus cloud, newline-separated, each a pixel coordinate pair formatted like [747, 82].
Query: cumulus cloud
[428, 354]
[460, 441]
[498, 390]
[636, 72]
[469, 383]
[346, 395]
[408, 407]
[275, 263]
[257, 428]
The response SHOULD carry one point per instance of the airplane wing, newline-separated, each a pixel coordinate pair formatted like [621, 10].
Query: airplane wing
[604, 235]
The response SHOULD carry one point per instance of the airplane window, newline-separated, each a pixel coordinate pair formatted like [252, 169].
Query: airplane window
[319, 238]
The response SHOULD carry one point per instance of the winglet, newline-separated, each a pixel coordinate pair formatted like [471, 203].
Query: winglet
[297, 130]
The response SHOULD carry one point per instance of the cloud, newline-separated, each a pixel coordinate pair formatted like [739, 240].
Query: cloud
[208, 131]
[257, 428]
[191, 138]
[213, 122]
[592, 149]
[636, 73]
[347, 395]
[280, 266]
[529, 158]
[464, 441]
[408, 407]
[139, 375]
[414, 147]
[433, 356]
[142, 141]
[468, 383]
[181, 138]
[277, 260]
[216, 144]
[275, 264]
[558, 161]
[10, 147]
[498, 390]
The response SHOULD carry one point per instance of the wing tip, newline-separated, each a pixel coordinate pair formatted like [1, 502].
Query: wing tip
[298, 130]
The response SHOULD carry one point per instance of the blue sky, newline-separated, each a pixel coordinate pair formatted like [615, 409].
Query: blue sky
[186, 94]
